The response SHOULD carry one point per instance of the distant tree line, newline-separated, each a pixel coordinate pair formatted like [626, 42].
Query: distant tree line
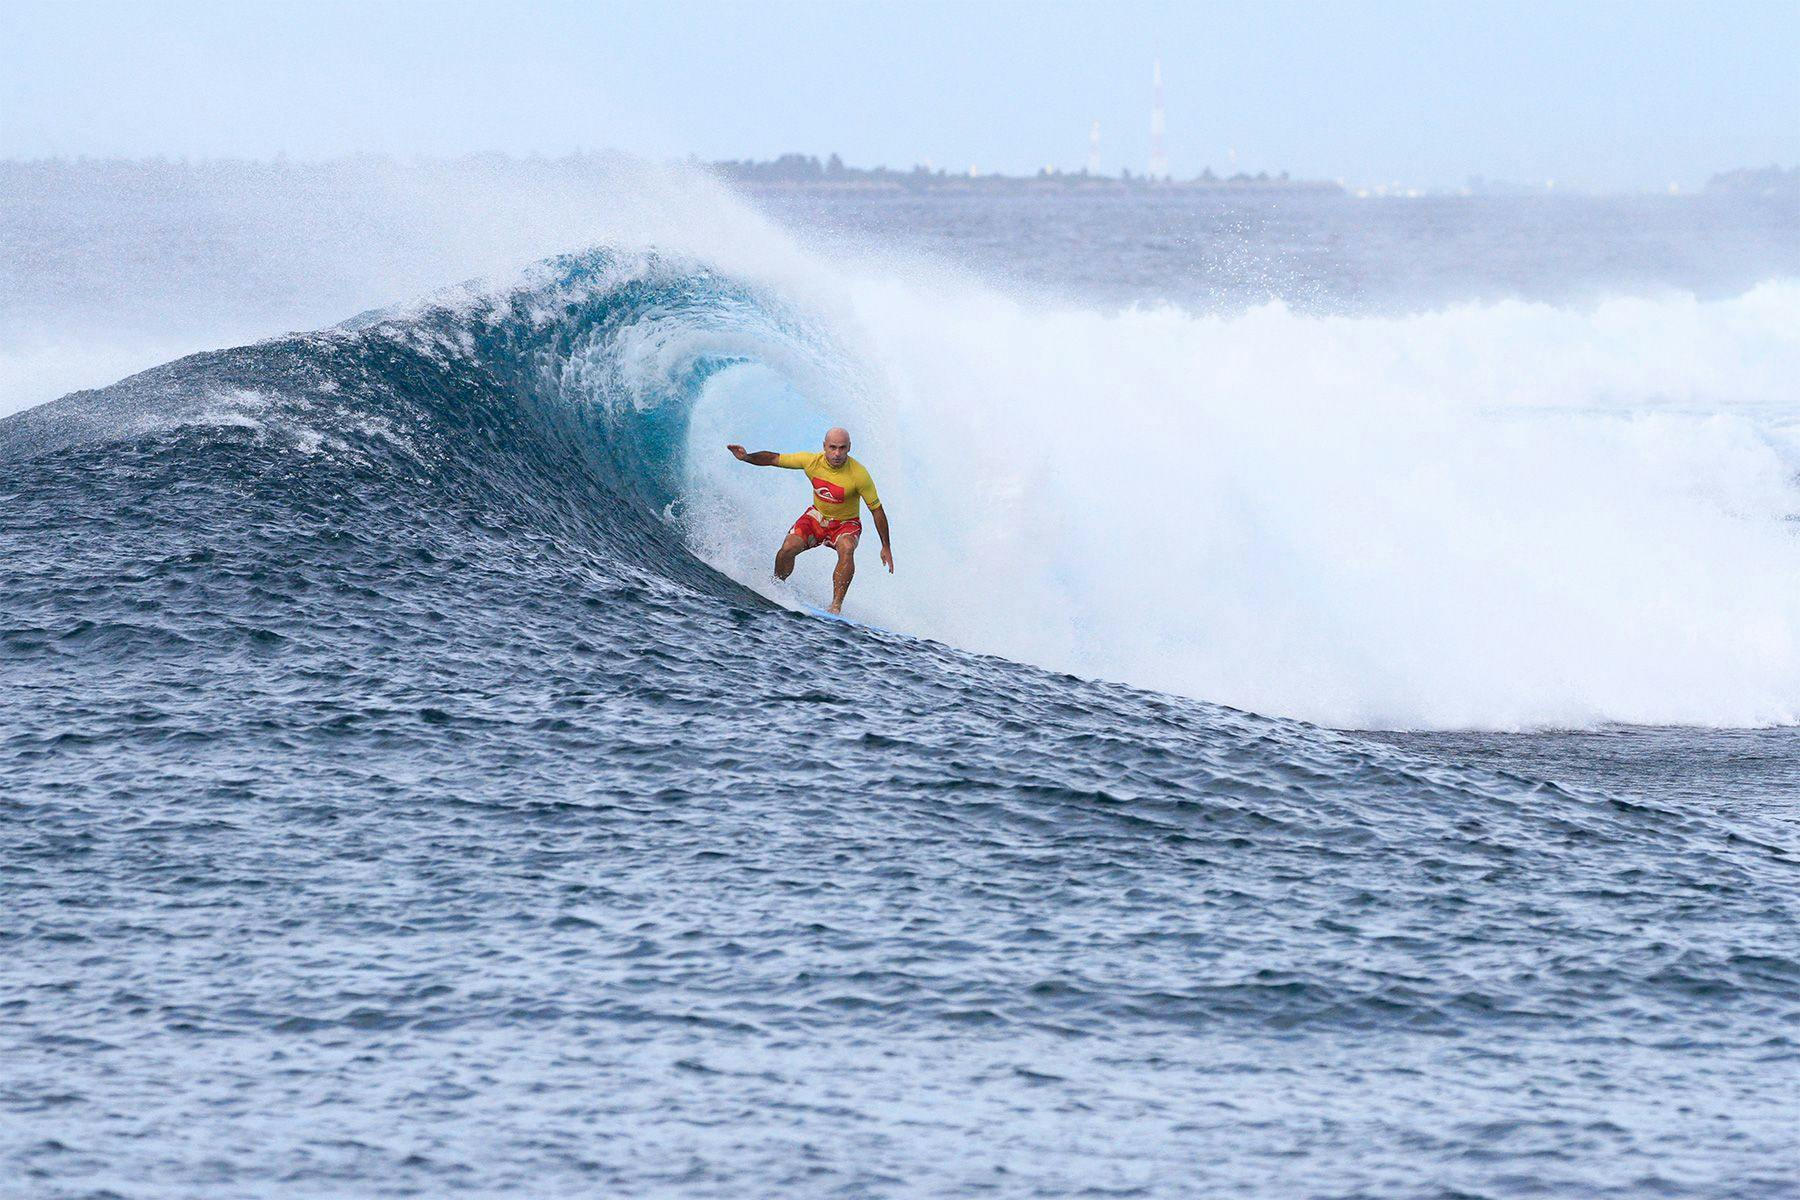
[1760, 181]
[806, 168]
[803, 169]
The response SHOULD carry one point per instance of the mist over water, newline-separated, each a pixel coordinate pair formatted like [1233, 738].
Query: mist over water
[1383, 464]
[412, 780]
[117, 266]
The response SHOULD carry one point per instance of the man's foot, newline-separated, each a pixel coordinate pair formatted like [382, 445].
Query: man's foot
[834, 609]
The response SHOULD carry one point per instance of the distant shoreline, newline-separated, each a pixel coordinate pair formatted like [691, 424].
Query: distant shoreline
[804, 171]
[1028, 183]
[800, 174]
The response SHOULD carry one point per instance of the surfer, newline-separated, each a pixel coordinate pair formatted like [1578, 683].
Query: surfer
[839, 483]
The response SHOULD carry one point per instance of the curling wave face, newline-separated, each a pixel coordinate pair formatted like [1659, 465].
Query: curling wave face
[1495, 516]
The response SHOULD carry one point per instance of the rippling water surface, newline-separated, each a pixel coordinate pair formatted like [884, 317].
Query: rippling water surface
[393, 800]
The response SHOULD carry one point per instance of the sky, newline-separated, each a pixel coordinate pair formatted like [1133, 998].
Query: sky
[1603, 96]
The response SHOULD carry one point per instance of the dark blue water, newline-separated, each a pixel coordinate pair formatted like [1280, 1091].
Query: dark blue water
[391, 803]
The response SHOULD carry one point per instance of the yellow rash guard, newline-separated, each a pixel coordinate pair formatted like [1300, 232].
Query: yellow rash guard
[835, 489]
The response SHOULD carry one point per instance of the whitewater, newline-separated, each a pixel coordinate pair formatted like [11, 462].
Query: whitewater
[1496, 516]
[1329, 731]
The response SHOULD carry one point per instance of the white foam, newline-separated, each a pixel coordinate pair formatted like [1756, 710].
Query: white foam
[1498, 516]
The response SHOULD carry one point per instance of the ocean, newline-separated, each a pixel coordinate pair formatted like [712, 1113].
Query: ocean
[1330, 732]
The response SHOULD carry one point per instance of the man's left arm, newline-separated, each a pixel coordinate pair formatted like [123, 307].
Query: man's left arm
[879, 515]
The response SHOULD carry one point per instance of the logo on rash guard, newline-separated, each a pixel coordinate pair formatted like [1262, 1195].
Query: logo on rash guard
[828, 491]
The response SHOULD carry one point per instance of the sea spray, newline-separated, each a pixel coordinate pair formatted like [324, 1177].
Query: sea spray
[1499, 516]
[1494, 514]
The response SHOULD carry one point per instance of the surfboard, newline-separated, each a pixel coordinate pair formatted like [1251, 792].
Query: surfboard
[841, 619]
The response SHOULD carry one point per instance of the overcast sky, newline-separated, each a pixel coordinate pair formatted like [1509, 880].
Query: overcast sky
[1602, 95]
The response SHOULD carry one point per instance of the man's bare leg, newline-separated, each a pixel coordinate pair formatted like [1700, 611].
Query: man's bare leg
[846, 570]
[790, 550]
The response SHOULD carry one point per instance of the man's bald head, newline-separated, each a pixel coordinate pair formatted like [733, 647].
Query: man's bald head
[837, 446]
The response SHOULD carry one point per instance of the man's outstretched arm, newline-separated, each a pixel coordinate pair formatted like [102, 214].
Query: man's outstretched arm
[887, 552]
[762, 458]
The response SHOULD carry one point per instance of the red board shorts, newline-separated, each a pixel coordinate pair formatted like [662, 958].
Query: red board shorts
[815, 528]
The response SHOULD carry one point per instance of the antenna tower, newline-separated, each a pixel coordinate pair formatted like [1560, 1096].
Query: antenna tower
[1159, 157]
[1093, 167]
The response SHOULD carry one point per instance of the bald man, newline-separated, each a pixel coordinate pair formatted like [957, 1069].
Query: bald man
[839, 483]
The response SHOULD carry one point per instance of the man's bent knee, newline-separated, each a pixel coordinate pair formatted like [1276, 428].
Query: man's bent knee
[790, 550]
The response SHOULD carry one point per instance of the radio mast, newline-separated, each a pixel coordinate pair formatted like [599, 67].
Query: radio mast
[1159, 157]
[1093, 167]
